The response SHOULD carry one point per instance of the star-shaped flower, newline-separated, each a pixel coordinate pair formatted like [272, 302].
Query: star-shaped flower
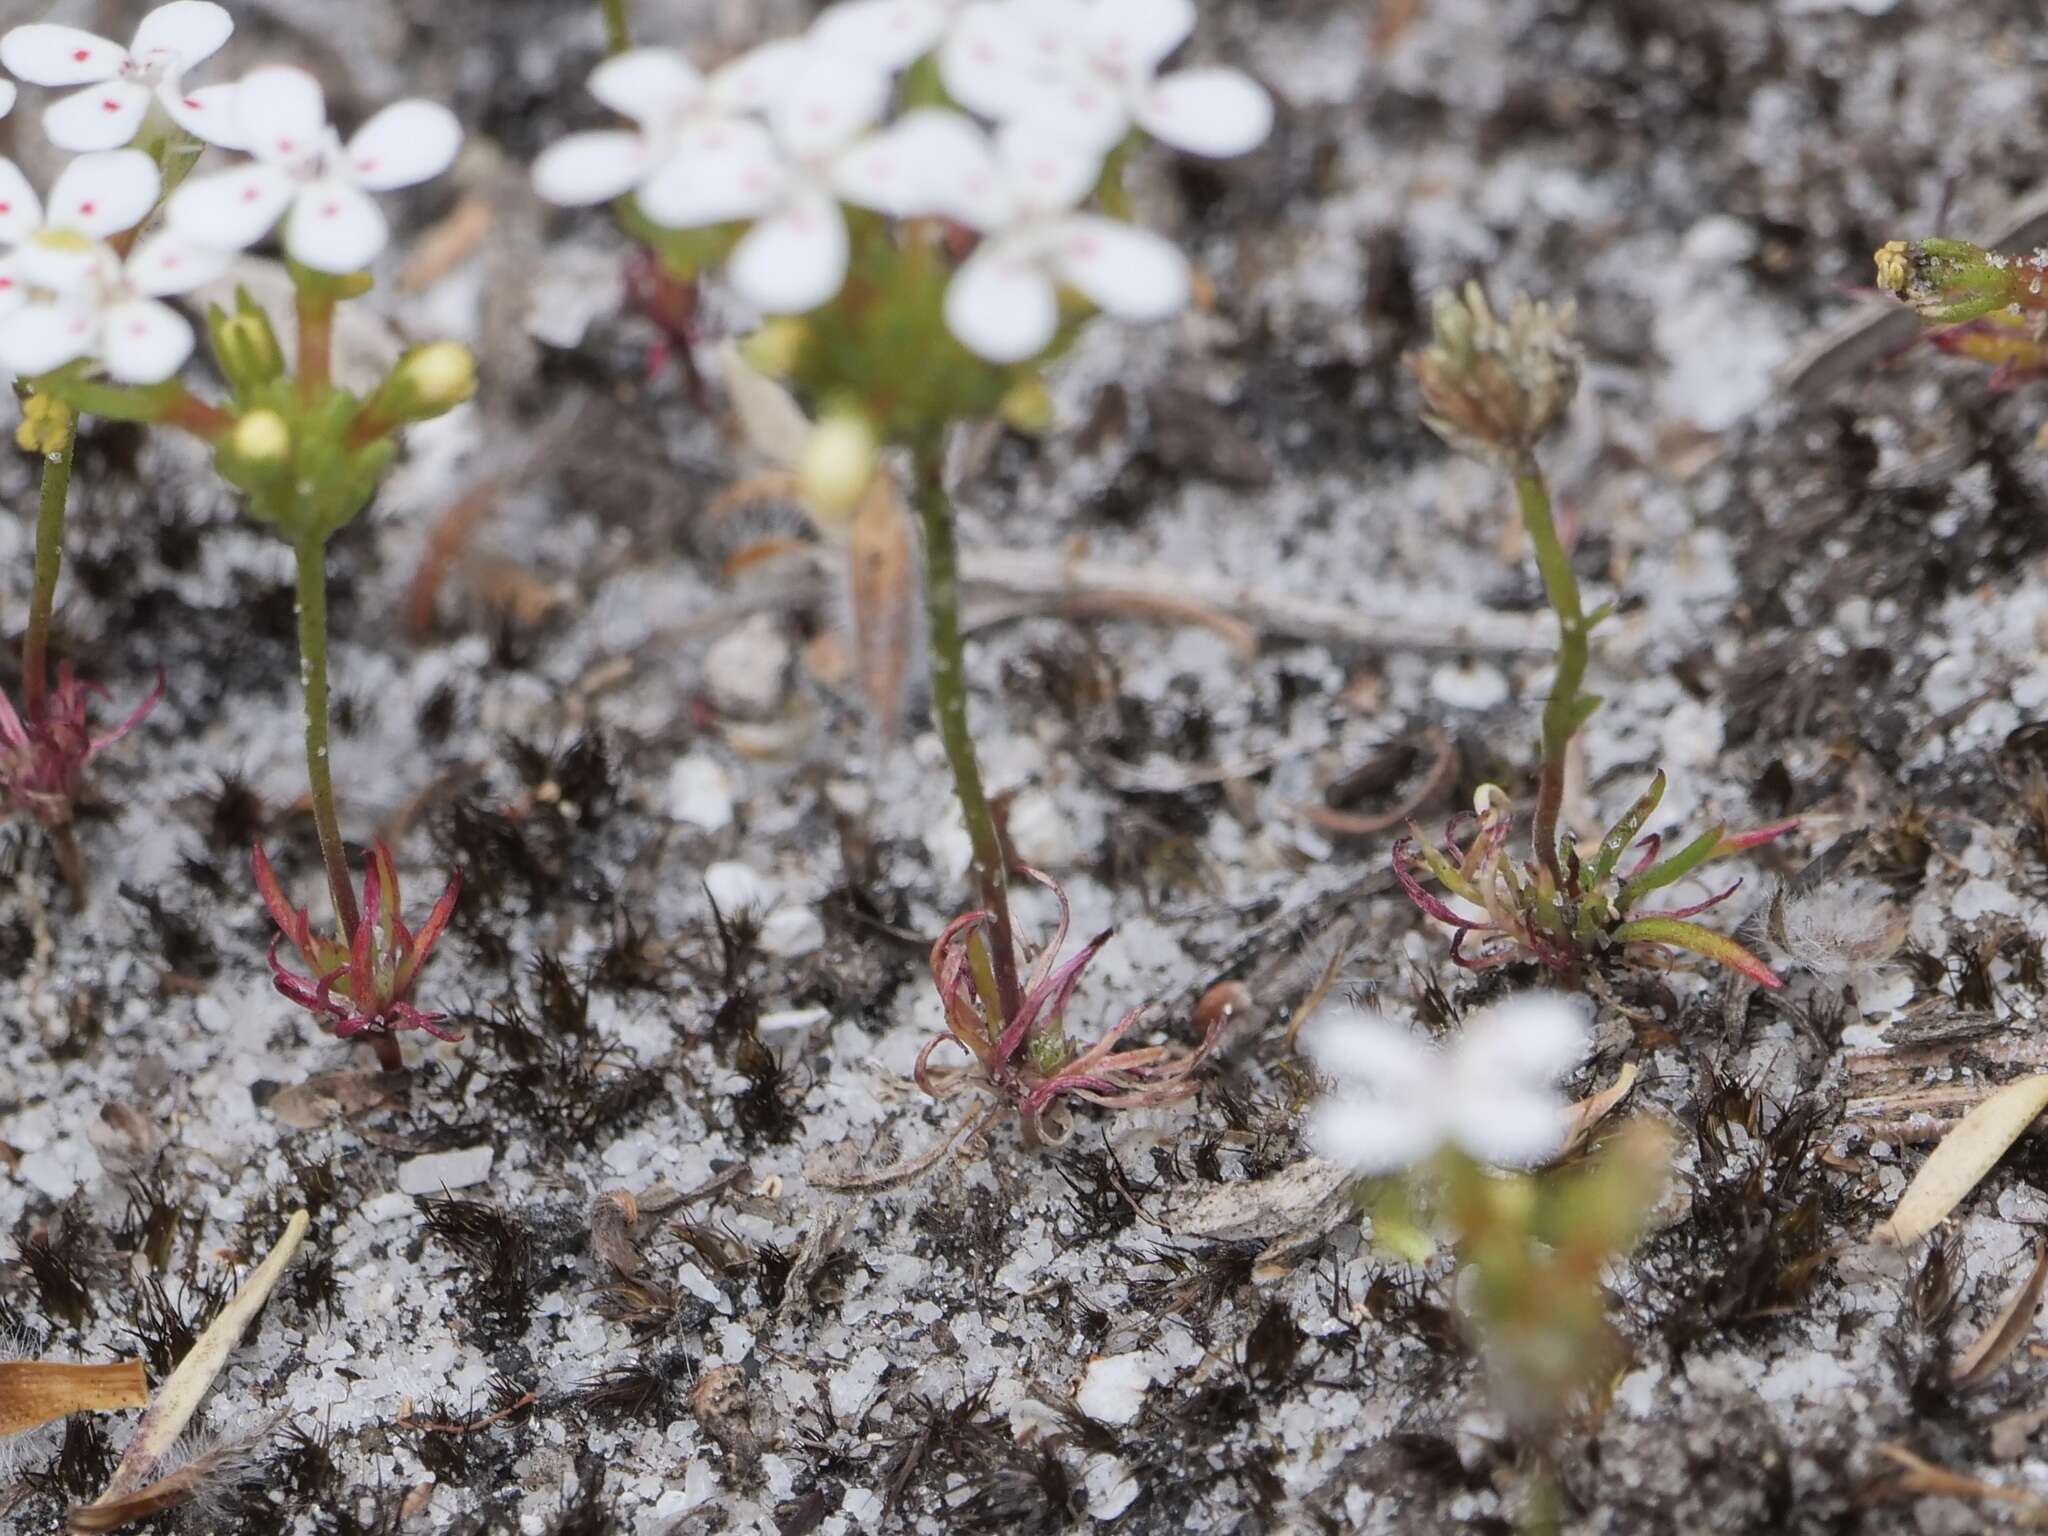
[789, 178]
[1089, 69]
[123, 82]
[671, 107]
[62, 300]
[1021, 193]
[364, 985]
[1492, 1093]
[304, 174]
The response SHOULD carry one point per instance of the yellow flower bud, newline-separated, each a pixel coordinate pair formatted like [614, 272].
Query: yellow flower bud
[837, 466]
[777, 347]
[1027, 408]
[45, 425]
[262, 438]
[436, 378]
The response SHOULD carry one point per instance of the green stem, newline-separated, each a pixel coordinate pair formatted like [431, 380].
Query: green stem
[949, 705]
[618, 36]
[35, 645]
[1566, 710]
[312, 558]
[316, 340]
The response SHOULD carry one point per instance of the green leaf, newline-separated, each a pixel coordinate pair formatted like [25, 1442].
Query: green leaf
[1682, 863]
[1621, 835]
[1705, 942]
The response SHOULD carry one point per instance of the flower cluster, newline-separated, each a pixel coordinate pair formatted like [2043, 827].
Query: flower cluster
[765, 155]
[75, 283]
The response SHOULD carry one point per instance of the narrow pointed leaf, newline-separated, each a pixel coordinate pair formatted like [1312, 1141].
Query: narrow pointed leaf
[1700, 941]
[1621, 834]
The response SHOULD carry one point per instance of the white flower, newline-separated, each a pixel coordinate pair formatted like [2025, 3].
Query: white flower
[1491, 1093]
[789, 178]
[122, 82]
[7, 94]
[304, 174]
[671, 107]
[1089, 69]
[84, 301]
[95, 196]
[1003, 304]
[890, 33]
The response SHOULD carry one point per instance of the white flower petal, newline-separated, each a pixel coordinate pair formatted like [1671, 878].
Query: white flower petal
[887, 33]
[144, 342]
[725, 170]
[42, 337]
[405, 144]
[189, 30]
[1130, 273]
[7, 95]
[958, 167]
[280, 114]
[793, 260]
[103, 194]
[1213, 112]
[652, 86]
[1047, 173]
[21, 211]
[165, 264]
[989, 63]
[1001, 305]
[826, 104]
[1509, 1130]
[756, 79]
[892, 172]
[1057, 32]
[101, 116]
[1530, 1038]
[1373, 1136]
[335, 227]
[44, 54]
[232, 210]
[68, 268]
[1364, 1050]
[13, 290]
[589, 168]
[1133, 37]
[208, 114]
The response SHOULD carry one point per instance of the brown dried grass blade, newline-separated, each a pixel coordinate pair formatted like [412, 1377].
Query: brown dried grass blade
[882, 573]
[2014, 1322]
[34, 1392]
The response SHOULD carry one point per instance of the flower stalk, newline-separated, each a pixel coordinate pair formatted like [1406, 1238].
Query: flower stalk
[57, 442]
[1568, 707]
[949, 708]
[311, 555]
[618, 32]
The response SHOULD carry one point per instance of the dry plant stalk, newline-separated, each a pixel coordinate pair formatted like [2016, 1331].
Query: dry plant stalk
[137, 1489]
[37, 1392]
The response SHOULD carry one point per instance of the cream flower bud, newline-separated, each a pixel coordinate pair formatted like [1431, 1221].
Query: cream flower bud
[838, 465]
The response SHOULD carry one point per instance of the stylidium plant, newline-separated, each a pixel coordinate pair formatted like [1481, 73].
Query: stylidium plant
[1493, 388]
[83, 322]
[1433, 1127]
[919, 270]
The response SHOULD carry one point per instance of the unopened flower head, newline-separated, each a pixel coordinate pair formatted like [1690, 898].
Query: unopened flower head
[1088, 70]
[121, 84]
[1494, 388]
[838, 464]
[302, 173]
[1491, 1093]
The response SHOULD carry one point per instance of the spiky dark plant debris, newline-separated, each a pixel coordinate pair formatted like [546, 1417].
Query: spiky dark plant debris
[636, 1388]
[496, 1252]
[1755, 1239]
[83, 1462]
[182, 942]
[61, 1264]
[165, 1329]
[149, 1225]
